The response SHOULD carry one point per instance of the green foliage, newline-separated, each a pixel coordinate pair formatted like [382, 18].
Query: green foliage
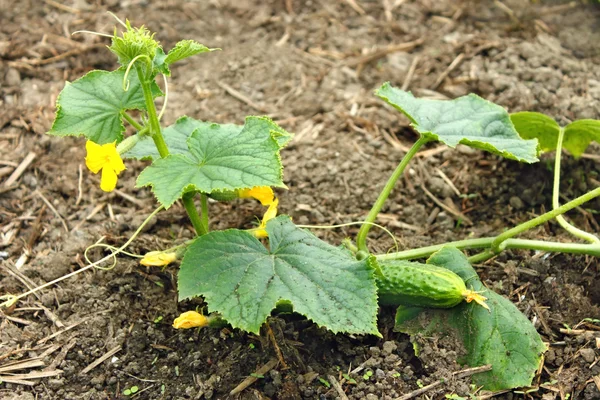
[185, 49]
[131, 391]
[132, 43]
[217, 158]
[92, 106]
[532, 125]
[577, 135]
[176, 136]
[503, 337]
[469, 120]
[325, 382]
[244, 281]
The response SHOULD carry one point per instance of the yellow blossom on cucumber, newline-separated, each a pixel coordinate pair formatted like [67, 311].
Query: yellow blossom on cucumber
[471, 295]
[261, 231]
[107, 159]
[158, 258]
[264, 194]
[190, 319]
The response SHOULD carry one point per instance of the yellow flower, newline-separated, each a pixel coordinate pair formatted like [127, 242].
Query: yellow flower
[158, 259]
[271, 213]
[190, 319]
[264, 194]
[106, 158]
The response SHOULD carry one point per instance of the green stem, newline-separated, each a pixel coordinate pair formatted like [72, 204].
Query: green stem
[157, 136]
[361, 238]
[555, 196]
[422, 252]
[543, 218]
[524, 244]
[204, 208]
[190, 207]
[504, 241]
[163, 150]
[131, 121]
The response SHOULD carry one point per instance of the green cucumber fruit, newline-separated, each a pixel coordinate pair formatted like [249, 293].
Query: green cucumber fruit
[224, 195]
[414, 284]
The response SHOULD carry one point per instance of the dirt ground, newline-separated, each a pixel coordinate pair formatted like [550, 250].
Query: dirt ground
[312, 66]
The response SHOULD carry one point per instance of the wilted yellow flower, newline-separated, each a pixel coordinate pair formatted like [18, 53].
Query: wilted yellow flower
[264, 194]
[471, 295]
[104, 157]
[190, 319]
[158, 258]
[261, 231]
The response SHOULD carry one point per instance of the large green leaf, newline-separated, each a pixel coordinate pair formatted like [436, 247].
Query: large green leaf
[92, 105]
[176, 136]
[533, 125]
[502, 337]
[469, 120]
[243, 281]
[579, 134]
[219, 158]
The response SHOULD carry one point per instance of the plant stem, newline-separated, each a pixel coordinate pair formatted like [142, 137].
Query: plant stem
[163, 150]
[157, 136]
[504, 241]
[427, 251]
[555, 196]
[525, 244]
[361, 238]
[543, 218]
[204, 208]
[190, 207]
[131, 121]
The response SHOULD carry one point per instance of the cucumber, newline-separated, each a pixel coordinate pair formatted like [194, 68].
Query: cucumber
[224, 195]
[425, 285]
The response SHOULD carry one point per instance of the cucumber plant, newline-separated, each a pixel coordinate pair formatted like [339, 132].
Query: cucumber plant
[243, 275]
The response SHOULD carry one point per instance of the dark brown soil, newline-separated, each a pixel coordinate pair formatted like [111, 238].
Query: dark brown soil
[299, 62]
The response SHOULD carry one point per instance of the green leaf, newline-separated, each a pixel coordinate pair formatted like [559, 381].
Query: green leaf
[184, 49]
[92, 105]
[176, 136]
[218, 158]
[503, 337]
[579, 135]
[469, 120]
[244, 281]
[533, 125]
[159, 63]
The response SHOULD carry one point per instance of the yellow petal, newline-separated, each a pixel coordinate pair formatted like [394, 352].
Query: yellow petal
[271, 213]
[471, 295]
[259, 233]
[108, 182]
[264, 194]
[190, 319]
[158, 259]
[95, 158]
[116, 162]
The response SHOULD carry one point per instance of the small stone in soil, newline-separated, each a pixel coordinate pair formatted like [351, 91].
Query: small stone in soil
[588, 355]
[389, 347]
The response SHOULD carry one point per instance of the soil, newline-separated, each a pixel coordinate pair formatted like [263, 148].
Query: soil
[304, 63]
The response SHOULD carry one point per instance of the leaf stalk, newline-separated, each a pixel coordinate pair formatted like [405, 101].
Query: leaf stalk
[361, 238]
[573, 230]
[190, 207]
